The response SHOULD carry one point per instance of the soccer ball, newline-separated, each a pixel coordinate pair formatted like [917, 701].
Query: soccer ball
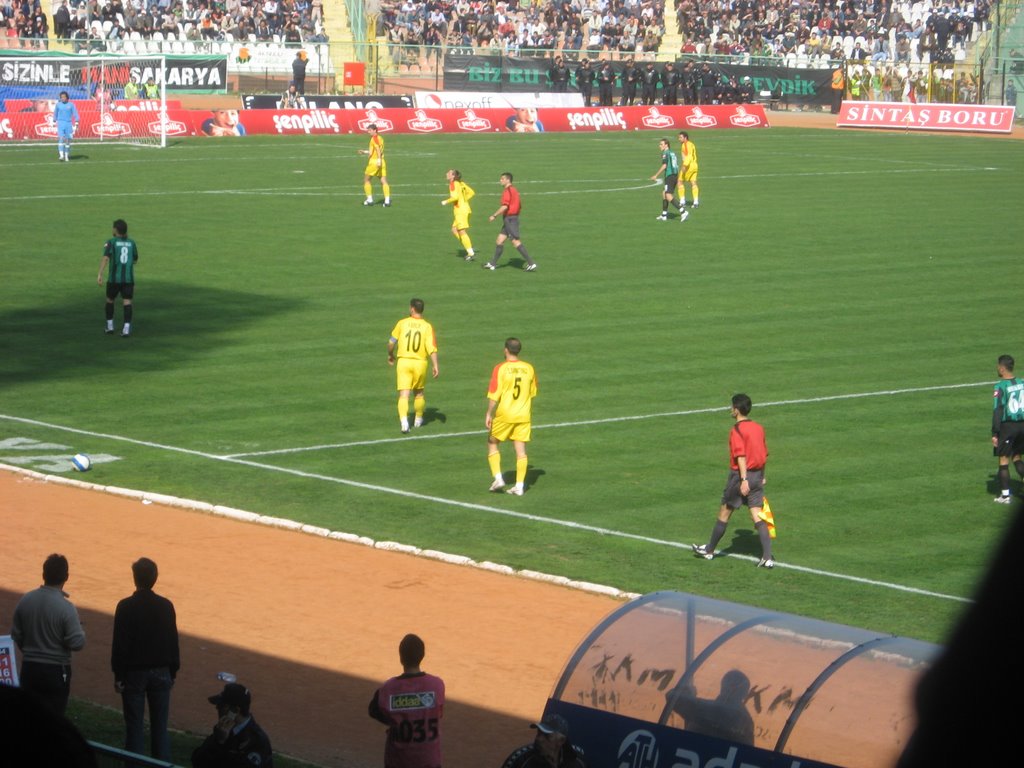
[81, 462]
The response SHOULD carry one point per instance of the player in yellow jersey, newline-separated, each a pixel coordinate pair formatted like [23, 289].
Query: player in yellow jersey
[688, 169]
[509, 402]
[459, 195]
[412, 341]
[376, 167]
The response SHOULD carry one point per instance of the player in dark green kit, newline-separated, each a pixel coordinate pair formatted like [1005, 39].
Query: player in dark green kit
[120, 253]
[670, 167]
[1008, 425]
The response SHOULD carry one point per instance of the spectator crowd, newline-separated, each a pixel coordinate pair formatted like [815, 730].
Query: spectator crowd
[98, 25]
[775, 31]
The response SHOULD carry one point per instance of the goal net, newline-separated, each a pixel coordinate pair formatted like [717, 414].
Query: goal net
[30, 85]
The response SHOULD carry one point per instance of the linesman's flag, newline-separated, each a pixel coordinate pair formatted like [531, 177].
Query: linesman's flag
[766, 515]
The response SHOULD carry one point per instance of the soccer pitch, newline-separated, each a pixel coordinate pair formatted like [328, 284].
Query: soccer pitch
[858, 286]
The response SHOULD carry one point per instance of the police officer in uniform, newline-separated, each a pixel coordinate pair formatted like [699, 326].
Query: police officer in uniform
[605, 83]
[649, 79]
[559, 74]
[671, 79]
[585, 77]
[631, 76]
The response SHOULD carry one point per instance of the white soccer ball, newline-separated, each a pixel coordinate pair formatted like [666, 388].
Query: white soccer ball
[81, 462]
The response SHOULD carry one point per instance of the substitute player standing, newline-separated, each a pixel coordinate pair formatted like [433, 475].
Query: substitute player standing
[1008, 425]
[120, 253]
[65, 115]
[509, 402]
[509, 210]
[412, 341]
[411, 706]
[376, 167]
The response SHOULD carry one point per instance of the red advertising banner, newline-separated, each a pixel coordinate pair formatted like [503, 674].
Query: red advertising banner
[926, 117]
[18, 126]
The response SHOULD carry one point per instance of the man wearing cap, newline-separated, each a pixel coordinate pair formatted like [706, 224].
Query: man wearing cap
[236, 740]
[550, 749]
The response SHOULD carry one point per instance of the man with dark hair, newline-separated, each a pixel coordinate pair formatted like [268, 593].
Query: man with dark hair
[237, 740]
[412, 706]
[605, 83]
[145, 659]
[649, 79]
[65, 116]
[509, 211]
[47, 630]
[671, 79]
[585, 76]
[631, 77]
[748, 454]
[551, 747]
[510, 396]
[670, 167]
[559, 74]
[411, 343]
[1008, 425]
[120, 252]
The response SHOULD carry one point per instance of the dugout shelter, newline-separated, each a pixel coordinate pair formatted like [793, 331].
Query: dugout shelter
[675, 680]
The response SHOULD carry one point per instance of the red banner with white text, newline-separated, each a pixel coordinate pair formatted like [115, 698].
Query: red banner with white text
[18, 126]
[926, 117]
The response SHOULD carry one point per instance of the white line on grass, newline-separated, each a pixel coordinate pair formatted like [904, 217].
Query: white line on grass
[538, 518]
[614, 419]
[338, 191]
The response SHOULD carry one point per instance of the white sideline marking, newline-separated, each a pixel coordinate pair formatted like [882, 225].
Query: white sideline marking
[614, 419]
[346, 191]
[540, 518]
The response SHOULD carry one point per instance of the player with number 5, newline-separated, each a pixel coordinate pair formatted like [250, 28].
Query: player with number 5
[509, 403]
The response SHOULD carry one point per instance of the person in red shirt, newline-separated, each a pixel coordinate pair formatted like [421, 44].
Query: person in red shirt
[509, 210]
[411, 705]
[748, 454]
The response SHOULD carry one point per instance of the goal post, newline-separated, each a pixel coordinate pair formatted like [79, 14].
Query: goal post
[30, 85]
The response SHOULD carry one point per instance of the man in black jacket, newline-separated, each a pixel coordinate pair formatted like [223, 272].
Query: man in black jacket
[585, 77]
[559, 74]
[145, 659]
[649, 79]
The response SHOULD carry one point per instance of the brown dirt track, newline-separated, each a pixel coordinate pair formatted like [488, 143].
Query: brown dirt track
[310, 624]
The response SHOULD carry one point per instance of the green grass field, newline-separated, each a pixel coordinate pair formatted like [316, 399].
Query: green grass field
[859, 286]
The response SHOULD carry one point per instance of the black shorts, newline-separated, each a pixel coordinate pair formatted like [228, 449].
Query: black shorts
[510, 227]
[127, 290]
[1011, 439]
[671, 182]
[731, 496]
